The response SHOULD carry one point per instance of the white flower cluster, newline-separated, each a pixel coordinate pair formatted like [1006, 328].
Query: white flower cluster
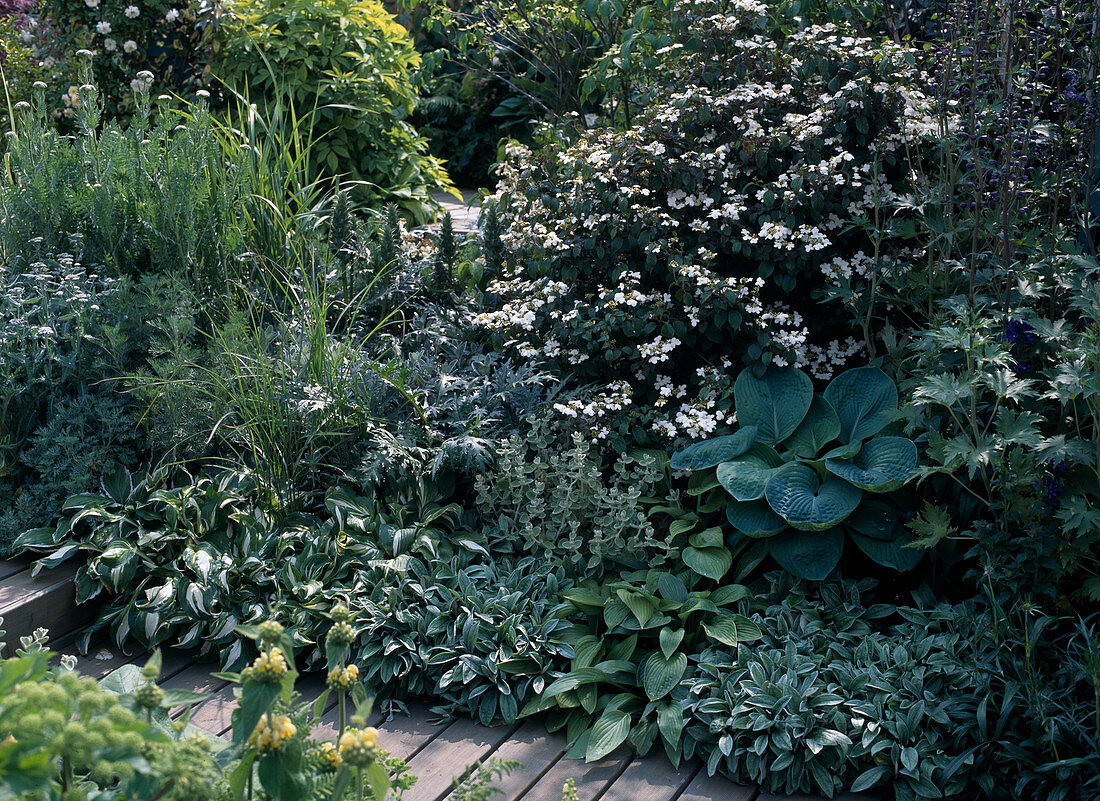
[527, 298]
[658, 350]
[615, 397]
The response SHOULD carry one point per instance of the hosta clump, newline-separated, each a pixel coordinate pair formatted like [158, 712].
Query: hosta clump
[831, 700]
[630, 641]
[805, 470]
[472, 633]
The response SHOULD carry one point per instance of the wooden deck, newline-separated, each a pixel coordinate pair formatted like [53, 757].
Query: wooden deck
[436, 752]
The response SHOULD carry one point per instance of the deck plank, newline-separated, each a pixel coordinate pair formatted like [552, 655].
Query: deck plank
[651, 778]
[16, 564]
[101, 660]
[406, 735]
[592, 778]
[717, 788]
[461, 744]
[537, 749]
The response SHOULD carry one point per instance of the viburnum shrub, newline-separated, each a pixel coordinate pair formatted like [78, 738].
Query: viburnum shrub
[649, 260]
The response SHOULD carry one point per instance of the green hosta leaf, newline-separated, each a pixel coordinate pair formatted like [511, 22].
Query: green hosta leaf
[744, 478]
[819, 427]
[883, 464]
[808, 555]
[729, 594]
[659, 675]
[862, 398]
[890, 553]
[670, 640]
[775, 403]
[754, 518]
[732, 629]
[797, 495]
[608, 733]
[711, 452]
[641, 606]
[672, 588]
[670, 722]
[711, 562]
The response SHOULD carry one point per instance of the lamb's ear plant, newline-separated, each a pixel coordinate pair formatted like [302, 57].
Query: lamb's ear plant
[806, 470]
[630, 644]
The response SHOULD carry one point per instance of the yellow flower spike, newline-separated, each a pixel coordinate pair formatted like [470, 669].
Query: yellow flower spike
[271, 733]
[359, 747]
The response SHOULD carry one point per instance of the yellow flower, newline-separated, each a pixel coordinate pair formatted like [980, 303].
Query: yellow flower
[359, 747]
[271, 733]
[270, 665]
[330, 755]
[342, 678]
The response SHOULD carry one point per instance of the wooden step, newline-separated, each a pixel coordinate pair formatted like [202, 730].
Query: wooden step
[46, 600]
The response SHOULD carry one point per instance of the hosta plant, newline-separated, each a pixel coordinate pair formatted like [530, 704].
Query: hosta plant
[805, 470]
[630, 650]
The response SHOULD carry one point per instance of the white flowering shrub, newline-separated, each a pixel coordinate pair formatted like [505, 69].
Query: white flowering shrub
[651, 260]
[136, 45]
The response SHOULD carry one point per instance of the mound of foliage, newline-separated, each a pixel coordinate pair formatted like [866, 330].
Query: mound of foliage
[649, 260]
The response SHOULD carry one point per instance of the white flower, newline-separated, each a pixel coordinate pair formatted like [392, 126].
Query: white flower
[91, 3]
[110, 45]
[129, 45]
[103, 27]
[132, 12]
[171, 16]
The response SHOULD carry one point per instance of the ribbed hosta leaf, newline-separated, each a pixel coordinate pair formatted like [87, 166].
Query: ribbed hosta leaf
[861, 398]
[711, 452]
[754, 518]
[882, 464]
[660, 675]
[797, 495]
[744, 477]
[775, 403]
[819, 427]
[808, 555]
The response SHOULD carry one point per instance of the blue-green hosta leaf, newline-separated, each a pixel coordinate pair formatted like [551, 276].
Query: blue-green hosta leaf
[889, 552]
[775, 403]
[608, 733]
[711, 562]
[875, 518]
[711, 452]
[744, 477]
[808, 555]
[862, 399]
[882, 465]
[660, 674]
[819, 427]
[754, 518]
[797, 495]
